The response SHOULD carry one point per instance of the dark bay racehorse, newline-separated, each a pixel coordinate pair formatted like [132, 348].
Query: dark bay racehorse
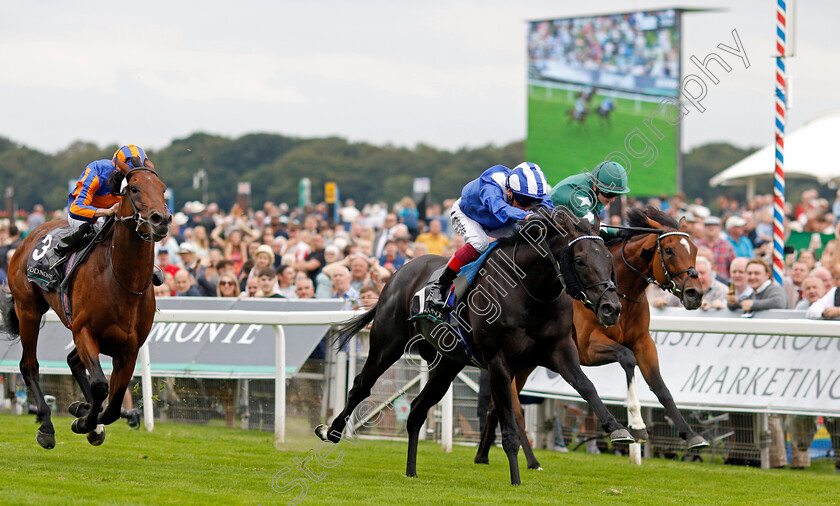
[519, 316]
[112, 303]
[658, 251]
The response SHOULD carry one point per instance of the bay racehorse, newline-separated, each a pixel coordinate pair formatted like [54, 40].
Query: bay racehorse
[655, 249]
[112, 304]
[517, 316]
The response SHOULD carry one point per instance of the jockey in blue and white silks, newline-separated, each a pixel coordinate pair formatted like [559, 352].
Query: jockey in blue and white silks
[489, 206]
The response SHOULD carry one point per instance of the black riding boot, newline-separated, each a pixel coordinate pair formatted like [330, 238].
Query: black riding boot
[70, 243]
[436, 298]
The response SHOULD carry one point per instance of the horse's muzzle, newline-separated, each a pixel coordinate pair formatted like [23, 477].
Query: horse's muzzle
[608, 313]
[159, 225]
[692, 298]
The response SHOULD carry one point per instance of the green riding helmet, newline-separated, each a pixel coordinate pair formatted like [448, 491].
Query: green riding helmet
[610, 177]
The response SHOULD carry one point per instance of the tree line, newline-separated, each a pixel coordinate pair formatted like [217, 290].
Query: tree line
[274, 165]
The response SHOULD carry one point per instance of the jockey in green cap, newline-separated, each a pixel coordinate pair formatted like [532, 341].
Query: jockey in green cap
[587, 194]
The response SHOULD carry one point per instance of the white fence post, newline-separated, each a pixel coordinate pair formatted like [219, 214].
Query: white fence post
[446, 419]
[146, 381]
[279, 386]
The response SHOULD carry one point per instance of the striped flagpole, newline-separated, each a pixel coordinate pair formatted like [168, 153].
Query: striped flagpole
[781, 109]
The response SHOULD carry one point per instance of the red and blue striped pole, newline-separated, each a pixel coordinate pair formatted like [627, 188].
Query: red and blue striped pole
[781, 109]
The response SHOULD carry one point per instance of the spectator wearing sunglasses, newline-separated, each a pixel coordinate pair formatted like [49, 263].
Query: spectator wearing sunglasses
[227, 286]
[587, 194]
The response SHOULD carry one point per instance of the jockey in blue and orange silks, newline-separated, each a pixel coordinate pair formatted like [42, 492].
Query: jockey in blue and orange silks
[489, 206]
[92, 198]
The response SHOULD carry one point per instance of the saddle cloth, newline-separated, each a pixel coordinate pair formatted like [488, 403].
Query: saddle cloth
[45, 269]
[457, 292]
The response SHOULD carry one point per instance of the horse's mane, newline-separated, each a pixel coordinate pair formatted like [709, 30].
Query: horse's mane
[582, 227]
[639, 218]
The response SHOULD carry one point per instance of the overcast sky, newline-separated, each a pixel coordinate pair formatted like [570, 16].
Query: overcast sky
[449, 74]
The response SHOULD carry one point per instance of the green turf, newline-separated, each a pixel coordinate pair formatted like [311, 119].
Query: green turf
[562, 148]
[186, 464]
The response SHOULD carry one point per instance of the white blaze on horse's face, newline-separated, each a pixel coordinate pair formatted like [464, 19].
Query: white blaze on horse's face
[684, 242]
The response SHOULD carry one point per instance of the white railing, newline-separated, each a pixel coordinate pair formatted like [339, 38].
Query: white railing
[775, 327]
[275, 318]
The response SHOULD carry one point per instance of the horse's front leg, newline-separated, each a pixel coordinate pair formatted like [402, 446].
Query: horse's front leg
[120, 378]
[600, 350]
[565, 361]
[79, 409]
[648, 359]
[88, 350]
[500, 384]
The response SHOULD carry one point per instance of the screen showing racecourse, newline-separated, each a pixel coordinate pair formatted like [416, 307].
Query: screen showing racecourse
[596, 87]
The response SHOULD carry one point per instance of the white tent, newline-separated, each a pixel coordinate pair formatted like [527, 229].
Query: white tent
[810, 152]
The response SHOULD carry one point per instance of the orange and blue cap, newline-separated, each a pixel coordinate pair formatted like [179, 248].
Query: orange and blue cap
[126, 153]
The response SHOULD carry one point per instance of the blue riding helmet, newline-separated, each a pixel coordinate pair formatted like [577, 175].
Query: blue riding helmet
[527, 179]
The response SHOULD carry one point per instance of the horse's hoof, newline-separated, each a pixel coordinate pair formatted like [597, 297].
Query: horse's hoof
[79, 409]
[697, 442]
[45, 440]
[482, 460]
[321, 431]
[97, 437]
[537, 467]
[640, 435]
[621, 436]
[77, 426]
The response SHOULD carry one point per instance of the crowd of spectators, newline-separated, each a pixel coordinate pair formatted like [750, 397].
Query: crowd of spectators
[622, 44]
[278, 252]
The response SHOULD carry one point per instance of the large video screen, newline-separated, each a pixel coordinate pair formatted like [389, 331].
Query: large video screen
[594, 90]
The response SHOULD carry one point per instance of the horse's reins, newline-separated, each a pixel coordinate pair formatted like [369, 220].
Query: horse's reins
[671, 285]
[139, 222]
[581, 296]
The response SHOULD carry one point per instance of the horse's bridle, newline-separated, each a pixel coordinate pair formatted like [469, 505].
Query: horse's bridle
[139, 222]
[671, 285]
[575, 288]
[138, 219]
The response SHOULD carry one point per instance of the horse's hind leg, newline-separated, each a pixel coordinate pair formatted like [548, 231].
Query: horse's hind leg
[29, 369]
[518, 384]
[88, 350]
[439, 380]
[488, 437]
[381, 357]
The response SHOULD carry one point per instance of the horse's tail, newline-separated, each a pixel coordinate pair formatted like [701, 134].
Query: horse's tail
[341, 334]
[10, 324]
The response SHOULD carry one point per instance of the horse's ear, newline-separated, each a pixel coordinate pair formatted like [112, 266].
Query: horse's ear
[562, 218]
[148, 164]
[122, 166]
[652, 223]
[683, 225]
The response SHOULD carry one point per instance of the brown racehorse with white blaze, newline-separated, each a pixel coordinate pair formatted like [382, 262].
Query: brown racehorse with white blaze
[659, 251]
[112, 304]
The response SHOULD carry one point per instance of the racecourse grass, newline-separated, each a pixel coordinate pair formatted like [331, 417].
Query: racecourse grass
[186, 464]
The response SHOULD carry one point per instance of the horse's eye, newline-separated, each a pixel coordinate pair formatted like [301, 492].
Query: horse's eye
[133, 189]
[578, 261]
[669, 251]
